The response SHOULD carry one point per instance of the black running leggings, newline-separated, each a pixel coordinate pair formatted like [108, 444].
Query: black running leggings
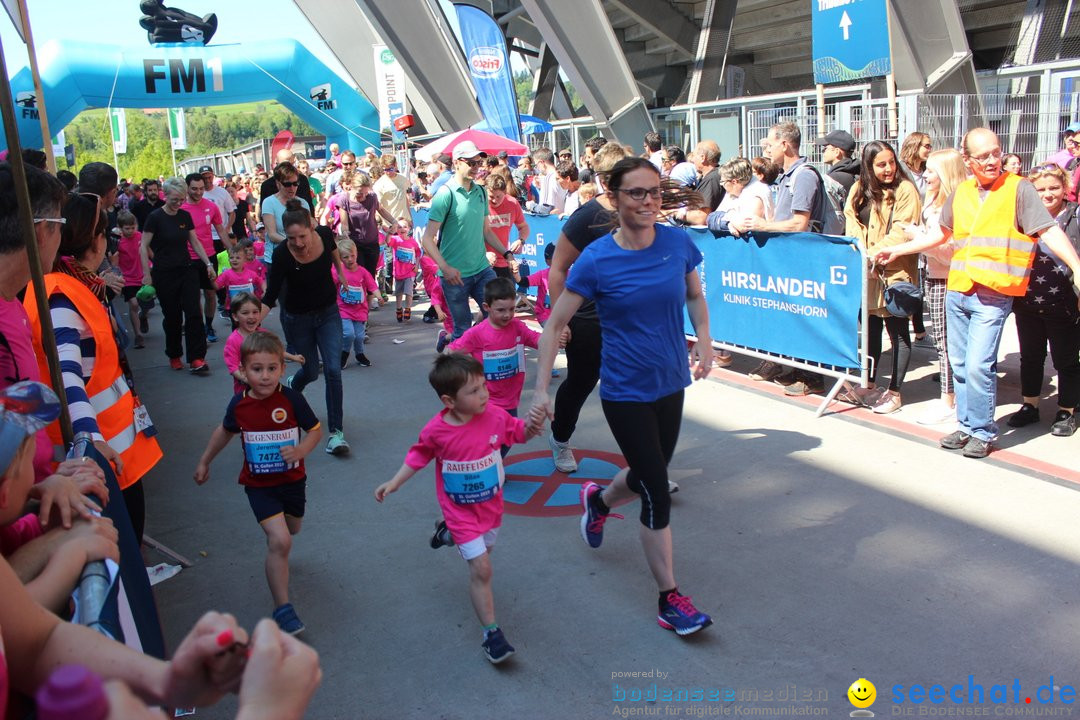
[646, 433]
[582, 374]
[897, 328]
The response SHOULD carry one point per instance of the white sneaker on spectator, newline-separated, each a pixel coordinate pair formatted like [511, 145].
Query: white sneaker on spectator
[563, 455]
[937, 413]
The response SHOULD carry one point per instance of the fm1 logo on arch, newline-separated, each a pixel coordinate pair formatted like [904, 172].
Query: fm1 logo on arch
[184, 75]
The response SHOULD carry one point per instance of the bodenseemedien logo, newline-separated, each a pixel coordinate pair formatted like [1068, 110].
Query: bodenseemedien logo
[387, 56]
[862, 695]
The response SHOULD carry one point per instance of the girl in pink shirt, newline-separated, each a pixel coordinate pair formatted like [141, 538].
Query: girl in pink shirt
[132, 270]
[429, 270]
[246, 311]
[405, 252]
[357, 288]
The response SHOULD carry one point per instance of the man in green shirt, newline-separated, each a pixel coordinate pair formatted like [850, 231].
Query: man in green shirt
[460, 210]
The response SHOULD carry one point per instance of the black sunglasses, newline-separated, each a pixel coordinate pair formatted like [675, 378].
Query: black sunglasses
[294, 183]
[471, 163]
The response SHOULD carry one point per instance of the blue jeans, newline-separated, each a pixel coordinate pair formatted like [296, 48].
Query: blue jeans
[457, 298]
[352, 335]
[974, 324]
[314, 334]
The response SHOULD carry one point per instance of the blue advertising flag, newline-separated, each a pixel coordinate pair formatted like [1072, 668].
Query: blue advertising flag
[489, 65]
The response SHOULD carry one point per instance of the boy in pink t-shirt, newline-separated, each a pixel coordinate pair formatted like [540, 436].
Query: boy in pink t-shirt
[357, 289]
[405, 252]
[463, 440]
[499, 343]
[132, 270]
[240, 277]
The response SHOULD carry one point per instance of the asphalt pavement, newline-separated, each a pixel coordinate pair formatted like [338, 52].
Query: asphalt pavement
[826, 549]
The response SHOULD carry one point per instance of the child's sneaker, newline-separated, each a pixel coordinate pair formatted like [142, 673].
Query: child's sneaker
[336, 445]
[495, 646]
[285, 617]
[679, 614]
[362, 360]
[442, 342]
[199, 367]
[408, 314]
[176, 363]
[441, 537]
[592, 522]
[400, 315]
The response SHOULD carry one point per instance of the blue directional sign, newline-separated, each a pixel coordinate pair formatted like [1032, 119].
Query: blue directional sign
[851, 40]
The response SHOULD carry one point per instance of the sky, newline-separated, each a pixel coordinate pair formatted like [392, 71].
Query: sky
[117, 21]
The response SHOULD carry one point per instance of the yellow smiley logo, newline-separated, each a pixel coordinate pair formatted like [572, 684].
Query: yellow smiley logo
[862, 693]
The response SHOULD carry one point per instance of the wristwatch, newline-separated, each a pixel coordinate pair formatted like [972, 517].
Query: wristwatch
[507, 255]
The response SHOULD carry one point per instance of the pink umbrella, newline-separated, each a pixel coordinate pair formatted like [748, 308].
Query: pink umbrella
[487, 142]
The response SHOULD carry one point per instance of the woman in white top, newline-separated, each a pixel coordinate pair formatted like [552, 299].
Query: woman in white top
[944, 172]
[746, 196]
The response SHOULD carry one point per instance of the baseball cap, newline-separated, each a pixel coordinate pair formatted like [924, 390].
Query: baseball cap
[445, 160]
[838, 138]
[1073, 127]
[260, 226]
[205, 169]
[467, 150]
[25, 408]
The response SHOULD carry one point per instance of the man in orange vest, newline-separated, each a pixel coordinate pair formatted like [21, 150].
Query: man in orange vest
[995, 219]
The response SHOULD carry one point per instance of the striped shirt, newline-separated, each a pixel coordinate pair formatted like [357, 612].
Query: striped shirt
[77, 350]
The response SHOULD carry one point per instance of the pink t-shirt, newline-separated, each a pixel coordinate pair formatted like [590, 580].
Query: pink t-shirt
[353, 297]
[130, 262]
[205, 215]
[406, 253]
[502, 353]
[539, 280]
[468, 468]
[236, 282]
[259, 246]
[257, 267]
[18, 363]
[232, 357]
[501, 218]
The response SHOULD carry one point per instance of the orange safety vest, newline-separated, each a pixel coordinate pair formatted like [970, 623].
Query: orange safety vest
[990, 250]
[108, 389]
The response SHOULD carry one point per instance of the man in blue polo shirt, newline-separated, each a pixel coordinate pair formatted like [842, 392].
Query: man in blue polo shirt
[460, 210]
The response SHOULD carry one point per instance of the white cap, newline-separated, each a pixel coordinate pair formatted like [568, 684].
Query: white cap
[467, 150]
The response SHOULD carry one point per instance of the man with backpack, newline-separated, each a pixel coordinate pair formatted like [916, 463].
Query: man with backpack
[802, 205]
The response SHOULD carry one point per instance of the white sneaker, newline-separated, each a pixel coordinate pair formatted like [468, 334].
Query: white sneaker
[937, 413]
[563, 455]
[672, 487]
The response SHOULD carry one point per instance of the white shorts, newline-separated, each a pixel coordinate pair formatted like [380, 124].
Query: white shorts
[478, 545]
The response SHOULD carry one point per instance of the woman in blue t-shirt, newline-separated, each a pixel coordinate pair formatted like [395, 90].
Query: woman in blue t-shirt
[641, 276]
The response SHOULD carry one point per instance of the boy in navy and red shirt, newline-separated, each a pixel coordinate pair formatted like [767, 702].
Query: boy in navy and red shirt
[269, 418]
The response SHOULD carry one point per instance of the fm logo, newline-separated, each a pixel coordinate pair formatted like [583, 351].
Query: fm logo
[321, 96]
[184, 75]
[28, 102]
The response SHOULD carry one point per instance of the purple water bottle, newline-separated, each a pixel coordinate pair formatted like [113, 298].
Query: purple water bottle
[72, 693]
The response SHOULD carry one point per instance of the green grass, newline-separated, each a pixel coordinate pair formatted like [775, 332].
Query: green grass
[250, 108]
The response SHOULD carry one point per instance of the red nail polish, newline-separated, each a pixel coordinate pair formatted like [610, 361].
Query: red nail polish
[225, 638]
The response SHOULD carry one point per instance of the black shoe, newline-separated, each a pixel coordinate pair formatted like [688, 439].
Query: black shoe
[955, 440]
[344, 359]
[362, 360]
[496, 648]
[441, 537]
[1064, 424]
[1028, 414]
[976, 448]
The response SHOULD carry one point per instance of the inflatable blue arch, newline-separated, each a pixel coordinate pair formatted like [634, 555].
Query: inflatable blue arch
[80, 75]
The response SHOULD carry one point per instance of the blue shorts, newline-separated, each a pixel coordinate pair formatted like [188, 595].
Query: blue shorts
[266, 502]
